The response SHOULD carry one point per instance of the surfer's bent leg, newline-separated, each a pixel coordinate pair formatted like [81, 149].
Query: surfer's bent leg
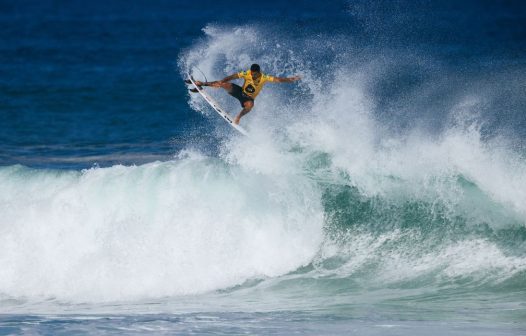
[235, 91]
[247, 106]
[217, 84]
[227, 86]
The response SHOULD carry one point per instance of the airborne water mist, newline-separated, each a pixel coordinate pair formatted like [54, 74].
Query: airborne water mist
[438, 200]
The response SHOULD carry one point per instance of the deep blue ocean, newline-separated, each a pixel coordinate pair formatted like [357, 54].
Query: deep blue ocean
[382, 194]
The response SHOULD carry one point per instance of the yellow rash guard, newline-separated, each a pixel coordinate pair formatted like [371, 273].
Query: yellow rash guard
[250, 87]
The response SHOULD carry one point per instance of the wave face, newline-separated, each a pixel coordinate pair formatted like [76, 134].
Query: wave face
[377, 178]
[157, 230]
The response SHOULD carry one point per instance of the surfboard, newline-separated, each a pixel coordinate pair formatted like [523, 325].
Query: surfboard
[217, 107]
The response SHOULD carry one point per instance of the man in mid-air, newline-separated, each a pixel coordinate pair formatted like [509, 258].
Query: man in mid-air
[254, 81]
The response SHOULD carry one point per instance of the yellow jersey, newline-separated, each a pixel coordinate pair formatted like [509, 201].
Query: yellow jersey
[251, 87]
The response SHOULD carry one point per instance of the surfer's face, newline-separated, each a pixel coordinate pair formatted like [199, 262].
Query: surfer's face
[256, 74]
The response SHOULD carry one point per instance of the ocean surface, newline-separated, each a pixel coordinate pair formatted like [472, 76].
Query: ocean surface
[383, 194]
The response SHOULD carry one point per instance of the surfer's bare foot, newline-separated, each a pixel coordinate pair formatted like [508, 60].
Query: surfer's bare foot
[236, 120]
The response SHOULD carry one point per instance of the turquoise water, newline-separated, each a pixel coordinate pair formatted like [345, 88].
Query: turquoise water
[383, 194]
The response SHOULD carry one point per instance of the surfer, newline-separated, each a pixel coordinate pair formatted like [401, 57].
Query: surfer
[254, 81]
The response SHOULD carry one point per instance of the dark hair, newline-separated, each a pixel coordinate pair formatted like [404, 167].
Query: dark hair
[255, 67]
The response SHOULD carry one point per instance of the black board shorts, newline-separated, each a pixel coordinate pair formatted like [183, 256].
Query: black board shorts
[237, 92]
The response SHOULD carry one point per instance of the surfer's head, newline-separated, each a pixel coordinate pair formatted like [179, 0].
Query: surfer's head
[255, 70]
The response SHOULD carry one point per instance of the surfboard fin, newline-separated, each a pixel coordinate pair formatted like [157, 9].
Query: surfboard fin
[194, 90]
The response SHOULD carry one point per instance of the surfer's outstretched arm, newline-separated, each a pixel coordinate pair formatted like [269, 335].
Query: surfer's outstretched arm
[286, 79]
[229, 78]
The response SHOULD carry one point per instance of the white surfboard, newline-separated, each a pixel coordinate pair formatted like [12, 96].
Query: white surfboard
[217, 108]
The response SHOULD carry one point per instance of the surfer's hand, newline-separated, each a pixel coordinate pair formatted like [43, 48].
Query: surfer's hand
[295, 78]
